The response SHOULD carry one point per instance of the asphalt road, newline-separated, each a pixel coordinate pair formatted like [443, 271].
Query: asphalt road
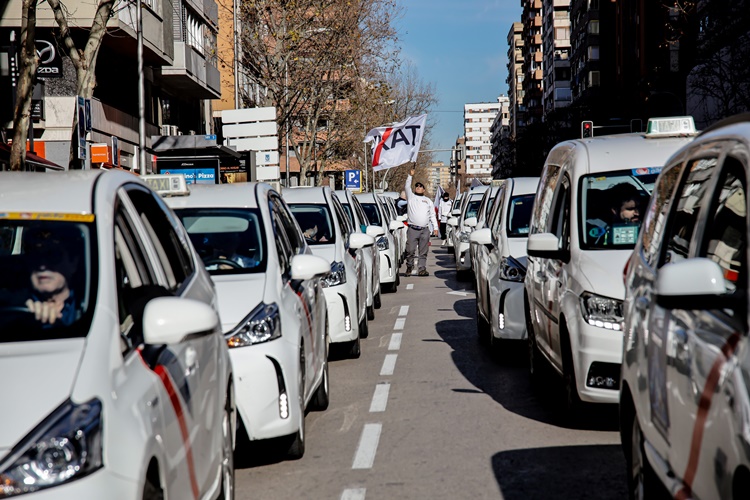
[427, 412]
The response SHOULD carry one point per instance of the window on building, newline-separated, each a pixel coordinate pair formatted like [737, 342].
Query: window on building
[562, 33]
[594, 27]
[593, 78]
[594, 52]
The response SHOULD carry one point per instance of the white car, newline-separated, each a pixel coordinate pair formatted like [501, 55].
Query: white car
[359, 222]
[584, 225]
[484, 214]
[327, 230]
[685, 390]
[398, 230]
[463, 225]
[272, 307]
[501, 262]
[455, 212]
[389, 258]
[128, 393]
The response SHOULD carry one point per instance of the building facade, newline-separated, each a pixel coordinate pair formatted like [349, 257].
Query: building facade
[515, 79]
[533, 60]
[556, 49]
[500, 134]
[478, 118]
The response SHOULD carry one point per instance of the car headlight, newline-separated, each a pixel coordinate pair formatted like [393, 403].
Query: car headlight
[602, 312]
[382, 243]
[463, 237]
[512, 270]
[337, 276]
[66, 446]
[261, 325]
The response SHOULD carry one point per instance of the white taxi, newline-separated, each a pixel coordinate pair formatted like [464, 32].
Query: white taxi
[584, 225]
[389, 254]
[358, 219]
[685, 396]
[327, 230]
[116, 377]
[501, 262]
[463, 225]
[272, 308]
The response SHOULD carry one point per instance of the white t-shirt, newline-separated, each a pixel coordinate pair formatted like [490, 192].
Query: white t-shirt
[420, 209]
[444, 210]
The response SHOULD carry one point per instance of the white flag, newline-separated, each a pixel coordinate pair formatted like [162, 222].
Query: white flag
[397, 144]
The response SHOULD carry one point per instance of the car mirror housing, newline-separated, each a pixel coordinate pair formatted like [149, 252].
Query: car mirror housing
[471, 222]
[169, 320]
[546, 246]
[395, 225]
[375, 231]
[359, 240]
[691, 284]
[307, 267]
[481, 236]
[401, 218]
[453, 221]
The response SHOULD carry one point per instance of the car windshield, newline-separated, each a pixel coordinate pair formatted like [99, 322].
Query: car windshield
[519, 215]
[612, 205]
[228, 240]
[373, 214]
[473, 208]
[47, 261]
[348, 210]
[315, 222]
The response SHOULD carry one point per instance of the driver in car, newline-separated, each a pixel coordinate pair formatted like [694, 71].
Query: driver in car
[225, 253]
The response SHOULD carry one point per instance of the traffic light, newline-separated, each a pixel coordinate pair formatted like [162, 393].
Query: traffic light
[587, 129]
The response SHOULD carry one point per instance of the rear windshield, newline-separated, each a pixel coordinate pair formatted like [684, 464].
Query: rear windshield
[228, 240]
[612, 207]
[50, 263]
[315, 222]
[373, 214]
[519, 215]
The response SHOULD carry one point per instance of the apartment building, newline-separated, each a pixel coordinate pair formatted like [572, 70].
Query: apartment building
[515, 79]
[533, 60]
[556, 50]
[180, 68]
[478, 118]
[500, 133]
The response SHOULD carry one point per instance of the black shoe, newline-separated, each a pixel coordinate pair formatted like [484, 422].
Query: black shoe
[423, 272]
[409, 270]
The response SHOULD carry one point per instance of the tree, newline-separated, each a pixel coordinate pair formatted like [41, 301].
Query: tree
[27, 69]
[84, 60]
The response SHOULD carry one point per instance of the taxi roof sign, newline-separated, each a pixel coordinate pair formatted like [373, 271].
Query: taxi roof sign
[167, 184]
[671, 126]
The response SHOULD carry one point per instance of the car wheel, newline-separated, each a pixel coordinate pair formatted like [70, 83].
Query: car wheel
[354, 348]
[535, 356]
[321, 399]
[376, 301]
[364, 329]
[371, 311]
[573, 403]
[152, 491]
[297, 448]
[227, 460]
[642, 480]
[483, 328]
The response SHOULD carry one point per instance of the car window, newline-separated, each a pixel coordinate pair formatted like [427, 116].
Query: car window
[348, 212]
[293, 231]
[496, 215]
[611, 207]
[560, 223]
[545, 192]
[171, 248]
[47, 258]
[472, 208]
[228, 240]
[372, 212]
[315, 221]
[360, 211]
[656, 214]
[687, 208]
[343, 221]
[283, 247]
[519, 215]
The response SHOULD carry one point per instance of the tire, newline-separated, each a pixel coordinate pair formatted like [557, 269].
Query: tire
[364, 329]
[642, 480]
[227, 461]
[371, 311]
[321, 399]
[483, 328]
[152, 491]
[536, 366]
[573, 403]
[354, 349]
[376, 301]
[296, 449]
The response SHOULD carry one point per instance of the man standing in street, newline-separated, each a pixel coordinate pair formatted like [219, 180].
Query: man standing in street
[420, 215]
[444, 211]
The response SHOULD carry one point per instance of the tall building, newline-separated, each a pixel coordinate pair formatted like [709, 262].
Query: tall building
[439, 175]
[556, 49]
[478, 118]
[515, 79]
[500, 133]
[533, 60]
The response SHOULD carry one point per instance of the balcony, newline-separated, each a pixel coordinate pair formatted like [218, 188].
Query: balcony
[191, 74]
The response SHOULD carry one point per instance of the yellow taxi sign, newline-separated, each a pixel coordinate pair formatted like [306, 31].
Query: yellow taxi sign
[167, 184]
[673, 126]
[47, 216]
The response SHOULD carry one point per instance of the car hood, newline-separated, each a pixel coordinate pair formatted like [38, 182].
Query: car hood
[327, 252]
[42, 375]
[602, 271]
[237, 296]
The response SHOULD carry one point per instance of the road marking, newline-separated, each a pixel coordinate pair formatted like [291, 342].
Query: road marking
[462, 293]
[399, 325]
[368, 446]
[410, 286]
[380, 397]
[403, 311]
[354, 494]
[395, 343]
[389, 364]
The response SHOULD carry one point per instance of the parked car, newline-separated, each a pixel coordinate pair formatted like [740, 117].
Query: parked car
[500, 265]
[463, 225]
[398, 230]
[584, 225]
[360, 224]
[328, 232]
[484, 214]
[389, 259]
[685, 394]
[457, 204]
[125, 385]
[271, 303]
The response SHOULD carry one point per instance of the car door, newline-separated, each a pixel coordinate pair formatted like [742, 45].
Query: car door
[700, 346]
[489, 258]
[193, 365]
[358, 260]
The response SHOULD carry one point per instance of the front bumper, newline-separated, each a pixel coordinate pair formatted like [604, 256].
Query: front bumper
[601, 346]
[341, 303]
[101, 484]
[510, 304]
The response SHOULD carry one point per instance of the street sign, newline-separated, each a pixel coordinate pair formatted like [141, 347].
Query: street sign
[353, 180]
[115, 151]
[81, 110]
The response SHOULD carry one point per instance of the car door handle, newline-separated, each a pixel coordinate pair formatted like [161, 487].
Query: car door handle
[641, 304]
[541, 276]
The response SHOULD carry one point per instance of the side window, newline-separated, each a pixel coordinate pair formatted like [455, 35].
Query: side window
[166, 235]
[497, 213]
[560, 222]
[653, 223]
[360, 212]
[291, 228]
[343, 221]
[544, 195]
[690, 200]
[725, 237]
[283, 248]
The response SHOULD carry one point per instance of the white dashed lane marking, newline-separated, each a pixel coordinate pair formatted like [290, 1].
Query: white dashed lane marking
[403, 311]
[380, 397]
[395, 343]
[368, 446]
[354, 494]
[389, 364]
[399, 324]
[410, 286]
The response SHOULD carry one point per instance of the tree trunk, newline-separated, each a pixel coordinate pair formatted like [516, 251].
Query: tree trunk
[27, 77]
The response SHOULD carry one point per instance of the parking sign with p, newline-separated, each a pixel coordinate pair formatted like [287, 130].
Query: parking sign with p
[353, 180]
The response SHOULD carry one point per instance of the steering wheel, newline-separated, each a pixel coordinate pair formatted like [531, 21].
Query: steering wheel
[226, 262]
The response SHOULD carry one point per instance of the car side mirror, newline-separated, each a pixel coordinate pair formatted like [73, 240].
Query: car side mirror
[169, 320]
[456, 212]
[395, 225]
[307, 267]
[482, 237]
[375, 231]
[453, 221]
[471, 222]
[546, 246]
[692, 284]
[401, 218]
[359, 240]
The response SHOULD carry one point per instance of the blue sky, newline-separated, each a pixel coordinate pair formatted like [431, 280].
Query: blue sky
[460, 47]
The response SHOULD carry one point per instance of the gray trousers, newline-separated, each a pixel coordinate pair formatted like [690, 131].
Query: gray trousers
[417, 239]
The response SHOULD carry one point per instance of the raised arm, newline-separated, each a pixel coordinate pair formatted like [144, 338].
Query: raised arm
[407, 187]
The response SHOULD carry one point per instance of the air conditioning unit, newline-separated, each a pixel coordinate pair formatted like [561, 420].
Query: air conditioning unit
[169, 130]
